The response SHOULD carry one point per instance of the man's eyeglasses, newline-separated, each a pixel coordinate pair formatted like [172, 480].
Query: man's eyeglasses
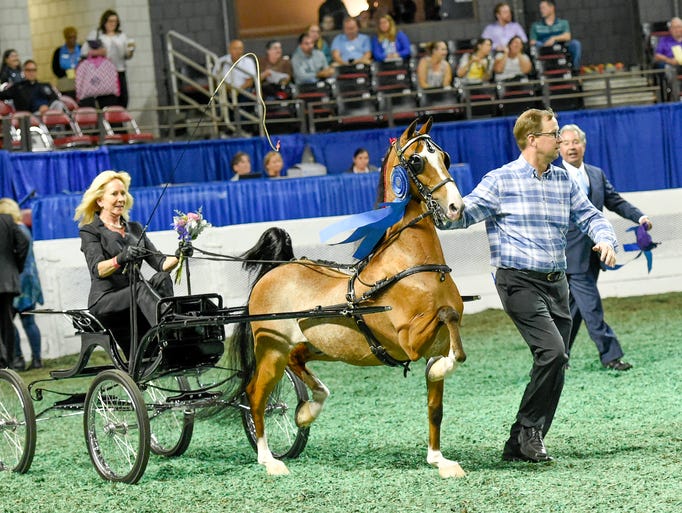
[30, 69]
[555, 134]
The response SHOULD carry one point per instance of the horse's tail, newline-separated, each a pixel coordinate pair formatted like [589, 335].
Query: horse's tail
[272, 249]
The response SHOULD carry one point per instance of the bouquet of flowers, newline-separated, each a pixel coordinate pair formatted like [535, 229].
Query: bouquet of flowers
[188, 227]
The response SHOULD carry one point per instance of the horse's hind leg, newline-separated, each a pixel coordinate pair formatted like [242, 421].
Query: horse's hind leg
[440, 367]
[307, 411]
[446, 468]
[269, 370]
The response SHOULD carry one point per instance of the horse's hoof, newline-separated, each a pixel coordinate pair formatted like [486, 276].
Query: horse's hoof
[276, 468]
[306, 413]
[438, 368]
[451, 470]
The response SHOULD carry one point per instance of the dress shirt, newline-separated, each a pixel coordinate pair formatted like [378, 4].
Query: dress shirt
[352, 49]
[527, 216]
[579, 175]
[500, 35]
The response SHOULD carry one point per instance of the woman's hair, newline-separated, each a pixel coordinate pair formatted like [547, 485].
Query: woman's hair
[512, 39]
[11, 207]
[359, 151]
[105, 16]
[85, 212]
[530, 122]
[430, 47]
[269, 156]
[392, 30]
[237, 157]
[480, 41]
[319, 44]
[69, 31]
[6, 54]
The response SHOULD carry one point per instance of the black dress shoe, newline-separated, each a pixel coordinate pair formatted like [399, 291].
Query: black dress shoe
[531, 444]
[618, 365]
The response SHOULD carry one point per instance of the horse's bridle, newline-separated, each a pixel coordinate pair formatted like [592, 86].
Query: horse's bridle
[415, 165]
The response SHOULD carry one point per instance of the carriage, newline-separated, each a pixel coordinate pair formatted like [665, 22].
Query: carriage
[146, 400]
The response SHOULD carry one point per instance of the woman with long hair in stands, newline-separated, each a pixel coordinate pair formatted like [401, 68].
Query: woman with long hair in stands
[389, 43]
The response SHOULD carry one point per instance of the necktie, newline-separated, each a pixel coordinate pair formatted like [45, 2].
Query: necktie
[583, 181]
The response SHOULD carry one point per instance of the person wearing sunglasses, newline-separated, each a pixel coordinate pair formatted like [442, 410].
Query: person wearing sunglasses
[528, 206]
[31, 95]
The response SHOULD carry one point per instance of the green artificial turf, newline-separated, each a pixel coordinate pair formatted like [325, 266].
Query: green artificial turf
[617, 439]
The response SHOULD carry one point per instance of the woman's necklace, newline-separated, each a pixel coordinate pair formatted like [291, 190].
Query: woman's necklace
[118, 226]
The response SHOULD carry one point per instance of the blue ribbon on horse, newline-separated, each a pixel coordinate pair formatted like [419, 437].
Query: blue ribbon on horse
[643, 242]
[369, 225]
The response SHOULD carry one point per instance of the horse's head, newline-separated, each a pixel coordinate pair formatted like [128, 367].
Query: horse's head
[417, 163]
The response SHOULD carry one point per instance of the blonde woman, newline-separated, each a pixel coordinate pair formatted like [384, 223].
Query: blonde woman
[273, 164]
[389, 44]
[111, 243]
[319, 42]
[433, 70]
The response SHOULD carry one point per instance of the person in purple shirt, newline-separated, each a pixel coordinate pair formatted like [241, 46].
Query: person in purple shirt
[351, 47]
[504, 28]
[665, 53]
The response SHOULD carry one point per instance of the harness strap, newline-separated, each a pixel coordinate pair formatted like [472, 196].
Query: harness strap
[375, 346]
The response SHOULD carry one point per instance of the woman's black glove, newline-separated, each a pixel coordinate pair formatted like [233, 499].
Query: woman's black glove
[185, 249]
[130, 254]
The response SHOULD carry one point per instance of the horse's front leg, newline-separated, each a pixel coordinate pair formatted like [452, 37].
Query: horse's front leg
[446, 468]
[307, 411]
[439, 367]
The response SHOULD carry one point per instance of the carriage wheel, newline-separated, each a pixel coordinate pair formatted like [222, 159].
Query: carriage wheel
[117, 427]
[17, 424]
[171, 426]
[285, 438]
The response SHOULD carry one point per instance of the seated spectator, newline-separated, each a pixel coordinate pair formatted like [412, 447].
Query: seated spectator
[64, 61]
[241, 165]
[327, 23]
[389, 44]
[351, 47]
[365, 20]
[553, 30]
[477, 66]
[361, 162]
[10, 72]
[334, 9]
[501, 32]
[275, 70]
[513, 63]
[669, 48]
[273, 164]
[31, 95]
[319, 42]
[433, 70]
[243, 74]
[309, 64]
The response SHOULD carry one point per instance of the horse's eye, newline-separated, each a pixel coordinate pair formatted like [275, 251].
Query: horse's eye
[416, 163]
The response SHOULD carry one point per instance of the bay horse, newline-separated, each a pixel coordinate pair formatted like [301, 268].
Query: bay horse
[405, 270]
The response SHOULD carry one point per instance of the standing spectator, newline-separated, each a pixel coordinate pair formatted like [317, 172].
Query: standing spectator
[13, 250]
[526, 232]
[502, 31]
[433, 70]
[64, 61]
[319, 42]
[389, 44]
[31, 294]
[308, 63]
[243, 74]
[31, 95]
[334, 8]
[583, 263]
[273, 164]
[476, 67]
[351, 47]
[97, 80]
[241, 165]
[10, 72]
[553, 30]
[275, 70]
[115, 46]
[512, 64]
[669, 48]
[327, 23]
[361, 162]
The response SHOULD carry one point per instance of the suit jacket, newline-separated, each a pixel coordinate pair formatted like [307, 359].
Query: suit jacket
[98, 243]
[13, 250]
[579, 254]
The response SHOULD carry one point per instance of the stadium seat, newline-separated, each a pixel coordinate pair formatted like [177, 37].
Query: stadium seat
[117, 115]
[63, 130]
[87, 122]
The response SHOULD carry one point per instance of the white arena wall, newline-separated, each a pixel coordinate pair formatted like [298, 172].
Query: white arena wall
[66, 282]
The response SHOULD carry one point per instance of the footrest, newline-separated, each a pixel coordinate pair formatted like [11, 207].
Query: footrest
[86, 371]
[73, 402]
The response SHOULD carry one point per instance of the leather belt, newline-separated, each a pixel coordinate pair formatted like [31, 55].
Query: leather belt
[537, 275]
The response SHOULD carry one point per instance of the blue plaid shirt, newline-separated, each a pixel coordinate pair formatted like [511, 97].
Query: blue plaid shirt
[527, 216]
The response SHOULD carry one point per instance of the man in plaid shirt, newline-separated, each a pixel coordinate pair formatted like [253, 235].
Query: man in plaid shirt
[527, 206]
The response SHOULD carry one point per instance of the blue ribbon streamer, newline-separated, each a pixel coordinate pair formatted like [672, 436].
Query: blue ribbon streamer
[643, 243]
[370, 226]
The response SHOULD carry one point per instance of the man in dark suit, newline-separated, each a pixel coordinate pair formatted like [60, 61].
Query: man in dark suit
[13, 251]
[583, 263]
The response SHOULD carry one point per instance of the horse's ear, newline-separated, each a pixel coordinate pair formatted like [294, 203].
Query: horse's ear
[409, 131]
[426, 127]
